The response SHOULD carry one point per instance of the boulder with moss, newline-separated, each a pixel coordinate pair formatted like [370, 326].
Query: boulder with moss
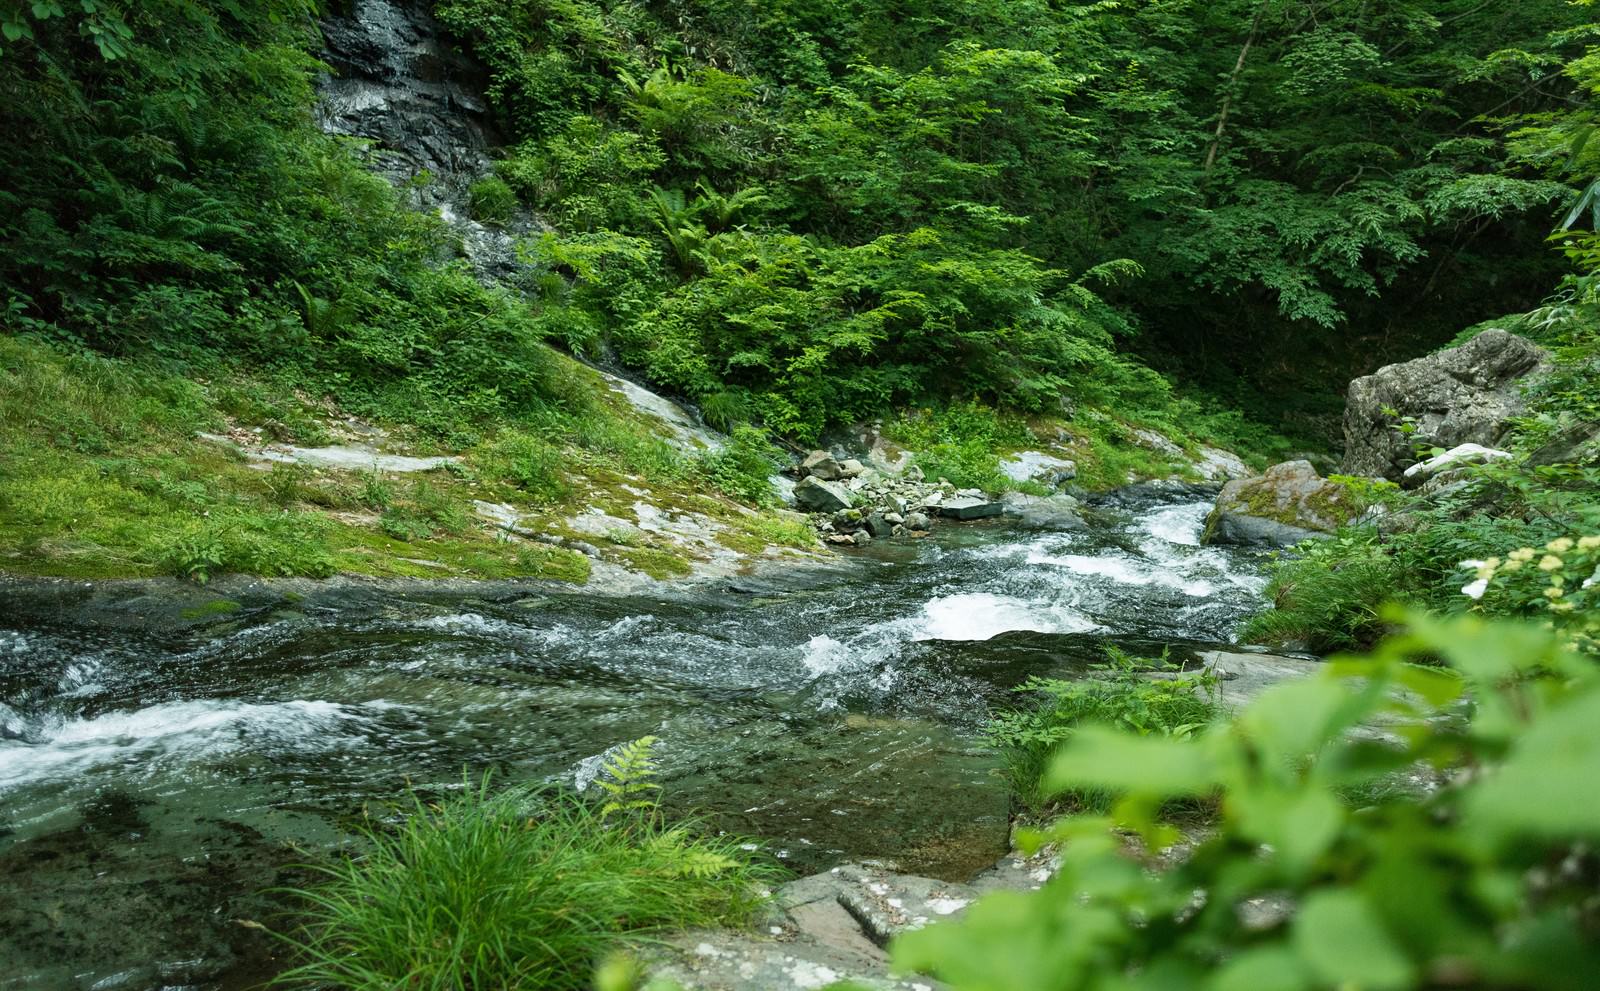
[1287, 504]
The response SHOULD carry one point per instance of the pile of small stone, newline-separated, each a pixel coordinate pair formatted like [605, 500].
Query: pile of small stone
[851, 503]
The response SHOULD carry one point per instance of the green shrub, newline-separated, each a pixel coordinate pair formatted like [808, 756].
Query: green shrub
[516, 889]
[961, 442]
[1485, 882]
[1120, 694]
[743, 468]
[1329, 594]
[492, 201]
[530, 463]
[286, 483]
[276, 544]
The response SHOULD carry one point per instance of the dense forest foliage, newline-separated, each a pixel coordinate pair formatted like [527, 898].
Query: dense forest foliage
[806, 213]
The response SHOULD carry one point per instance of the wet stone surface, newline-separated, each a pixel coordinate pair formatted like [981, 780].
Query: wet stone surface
[165, 760]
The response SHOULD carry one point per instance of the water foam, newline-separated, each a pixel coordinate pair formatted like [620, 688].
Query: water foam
[190, 729]
[985, 615]
[1182, 524]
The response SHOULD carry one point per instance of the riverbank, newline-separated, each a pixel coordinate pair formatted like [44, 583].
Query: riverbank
[116, 470]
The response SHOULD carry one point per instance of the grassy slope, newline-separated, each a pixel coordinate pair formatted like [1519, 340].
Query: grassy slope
[101, 475]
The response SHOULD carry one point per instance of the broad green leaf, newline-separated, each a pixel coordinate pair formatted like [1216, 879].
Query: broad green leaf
[1097, 757]
[1299, 826]
[1294, 720]
[1345, 944]
[1267, 968]
[1549, 786]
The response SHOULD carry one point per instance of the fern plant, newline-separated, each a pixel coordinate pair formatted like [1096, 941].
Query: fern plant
[625, 776]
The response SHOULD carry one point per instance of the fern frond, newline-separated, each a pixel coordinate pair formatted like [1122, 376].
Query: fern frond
[625, 775]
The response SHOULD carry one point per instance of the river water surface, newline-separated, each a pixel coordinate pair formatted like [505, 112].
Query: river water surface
[152, 788]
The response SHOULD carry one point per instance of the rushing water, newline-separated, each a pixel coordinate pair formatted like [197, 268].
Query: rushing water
[150, 789]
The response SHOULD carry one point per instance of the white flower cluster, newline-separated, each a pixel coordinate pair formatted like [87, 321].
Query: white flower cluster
[1555, 561]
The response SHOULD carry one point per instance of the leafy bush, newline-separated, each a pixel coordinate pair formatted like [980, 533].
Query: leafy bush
[516, 889]
[1329, 594]
[492, 200]
[1486, 881]
[1121, 694]
[528, 462]
[961, 442]
[276, 544]
[744, 467]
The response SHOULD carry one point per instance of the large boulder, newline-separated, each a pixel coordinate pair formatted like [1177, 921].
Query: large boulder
[821, 464]
[1464, 395]
[964, 507]
[1288, 504]
[817, 496]
[1038, 466]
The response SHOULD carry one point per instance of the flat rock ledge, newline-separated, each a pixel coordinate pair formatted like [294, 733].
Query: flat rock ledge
[834, 926]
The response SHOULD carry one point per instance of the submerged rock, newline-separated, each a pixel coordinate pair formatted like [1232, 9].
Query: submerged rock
[1288, 504]
[1464, 395]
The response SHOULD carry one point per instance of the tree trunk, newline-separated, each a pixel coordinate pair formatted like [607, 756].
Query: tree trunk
[1233, 82]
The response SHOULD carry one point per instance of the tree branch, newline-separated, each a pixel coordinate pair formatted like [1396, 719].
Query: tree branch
[1233, 81]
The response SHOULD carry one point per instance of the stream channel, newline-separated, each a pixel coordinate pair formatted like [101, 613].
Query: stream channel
[153, 785]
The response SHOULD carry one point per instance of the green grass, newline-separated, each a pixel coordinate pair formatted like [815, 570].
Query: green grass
[1120, 694]
[1329, 596]
[509, 890]
[102, 476]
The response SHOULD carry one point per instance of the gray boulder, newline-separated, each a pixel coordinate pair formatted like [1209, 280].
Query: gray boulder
[821, 464]
[817, 496]
[918, 522]
[1288, 504]
[970, 508]
[1217, 465]
[1574, 444]
[1463, 395]
[1037, 466]
[1058, 512]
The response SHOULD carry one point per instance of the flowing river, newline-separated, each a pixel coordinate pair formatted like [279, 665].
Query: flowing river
[152, 788]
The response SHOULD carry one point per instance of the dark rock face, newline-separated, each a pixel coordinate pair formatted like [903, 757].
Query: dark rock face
[399, 82]
[1464, 395]
[1288, 504]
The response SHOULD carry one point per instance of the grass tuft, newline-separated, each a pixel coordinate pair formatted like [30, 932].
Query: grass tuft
[517, 889]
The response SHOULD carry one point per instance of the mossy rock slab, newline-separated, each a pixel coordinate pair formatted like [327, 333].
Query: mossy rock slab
[1287, 504]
